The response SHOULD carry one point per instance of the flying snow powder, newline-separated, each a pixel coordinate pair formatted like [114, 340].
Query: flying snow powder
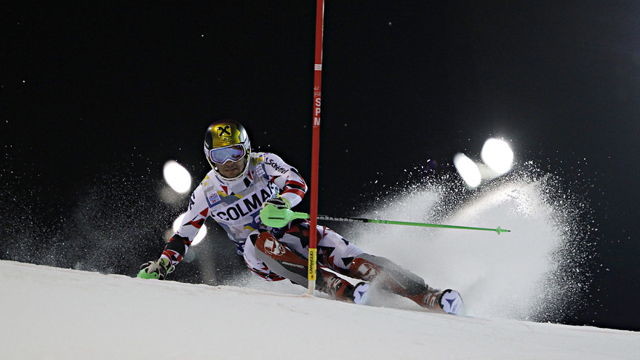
[517, 275]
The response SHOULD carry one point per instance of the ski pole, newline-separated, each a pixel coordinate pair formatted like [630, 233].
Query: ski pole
[408, 223]
[274, 217]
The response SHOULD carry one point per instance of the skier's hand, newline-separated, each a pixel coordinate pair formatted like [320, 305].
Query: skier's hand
[279, 202]
[158, 269]
[275, 212]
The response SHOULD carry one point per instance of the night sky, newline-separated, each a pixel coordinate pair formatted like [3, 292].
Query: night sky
[95, 98]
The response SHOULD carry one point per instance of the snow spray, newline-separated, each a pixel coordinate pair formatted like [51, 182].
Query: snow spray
[536, 272]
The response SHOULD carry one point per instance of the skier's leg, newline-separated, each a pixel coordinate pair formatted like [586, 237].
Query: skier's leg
[395, 279]
[345, 258]
[285, 262]
[256, 265]
[334, 251]
[278, 257]
[391, 276]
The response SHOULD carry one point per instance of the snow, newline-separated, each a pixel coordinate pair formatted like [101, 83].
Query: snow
[54, 313]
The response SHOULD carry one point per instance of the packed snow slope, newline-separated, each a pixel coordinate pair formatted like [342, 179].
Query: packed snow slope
[54, 313]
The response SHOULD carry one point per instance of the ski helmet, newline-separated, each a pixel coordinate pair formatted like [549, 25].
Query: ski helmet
[227, 140]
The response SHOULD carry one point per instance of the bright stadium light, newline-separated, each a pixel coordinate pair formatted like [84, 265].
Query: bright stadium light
[177, 222]
[498, 156]
[467, 169]
[199, 236]
[177, 177]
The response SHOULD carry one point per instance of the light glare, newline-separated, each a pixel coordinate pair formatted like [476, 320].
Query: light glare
[177, 222]
[199, 236]
[497, 154]
[467, 169]
[177, 176]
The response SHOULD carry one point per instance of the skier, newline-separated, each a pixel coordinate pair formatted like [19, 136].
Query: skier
[233, 193]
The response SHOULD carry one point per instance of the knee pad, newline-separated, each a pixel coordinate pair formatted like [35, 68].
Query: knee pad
[280, 259]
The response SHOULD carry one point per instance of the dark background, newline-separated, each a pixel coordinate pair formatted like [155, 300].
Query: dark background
[95, 98]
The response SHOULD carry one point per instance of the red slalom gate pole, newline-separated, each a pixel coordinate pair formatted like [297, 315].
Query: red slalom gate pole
[315, 147]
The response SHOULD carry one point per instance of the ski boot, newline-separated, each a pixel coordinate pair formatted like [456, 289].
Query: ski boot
[341, 289]
[448, 301]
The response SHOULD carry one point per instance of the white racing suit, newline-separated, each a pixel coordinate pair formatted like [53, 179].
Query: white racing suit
[235, 206]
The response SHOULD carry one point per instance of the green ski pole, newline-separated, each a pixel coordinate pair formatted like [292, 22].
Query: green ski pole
[274, 217]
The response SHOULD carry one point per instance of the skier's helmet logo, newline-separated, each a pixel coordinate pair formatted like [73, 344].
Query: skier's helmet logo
[224, 130]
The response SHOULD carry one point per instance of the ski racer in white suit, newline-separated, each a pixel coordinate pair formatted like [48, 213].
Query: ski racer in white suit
[233, 193]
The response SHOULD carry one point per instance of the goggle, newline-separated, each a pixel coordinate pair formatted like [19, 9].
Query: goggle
[228, 153]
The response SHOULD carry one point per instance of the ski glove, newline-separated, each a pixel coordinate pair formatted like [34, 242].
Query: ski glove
[279, 202]
[158, 269]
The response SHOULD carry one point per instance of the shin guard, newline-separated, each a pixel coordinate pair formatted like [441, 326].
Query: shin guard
[391, 277]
